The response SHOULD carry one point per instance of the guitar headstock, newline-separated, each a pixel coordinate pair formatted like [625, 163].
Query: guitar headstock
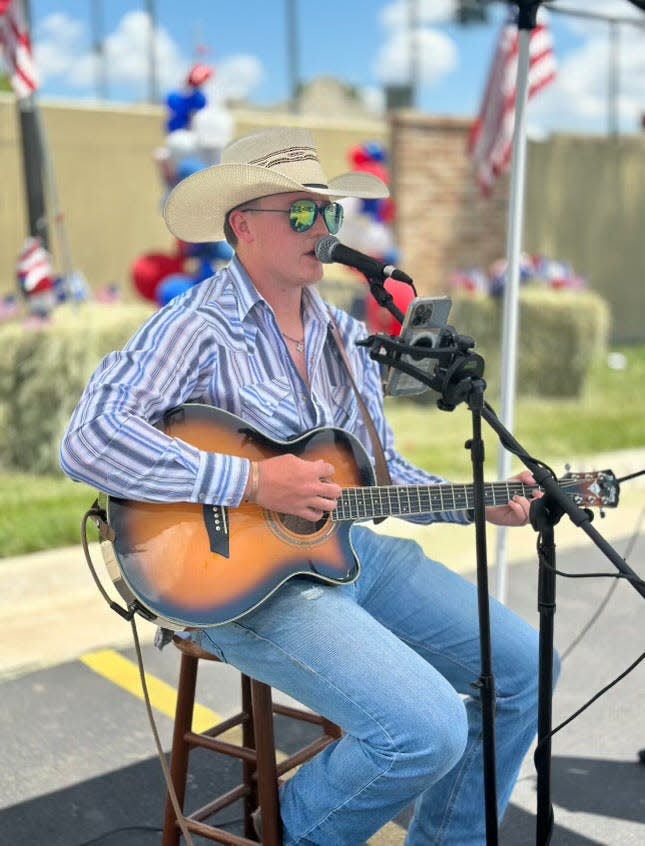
[592, 490]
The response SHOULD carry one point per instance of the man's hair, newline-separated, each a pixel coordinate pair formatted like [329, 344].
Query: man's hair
[231, 237]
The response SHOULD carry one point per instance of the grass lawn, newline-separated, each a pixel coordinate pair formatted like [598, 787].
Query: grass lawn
[40, 513]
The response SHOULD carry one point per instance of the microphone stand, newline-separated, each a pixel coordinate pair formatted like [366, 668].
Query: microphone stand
[457, 378]
[463, 372]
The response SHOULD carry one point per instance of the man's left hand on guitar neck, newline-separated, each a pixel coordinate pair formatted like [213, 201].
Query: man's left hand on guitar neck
[516, 513]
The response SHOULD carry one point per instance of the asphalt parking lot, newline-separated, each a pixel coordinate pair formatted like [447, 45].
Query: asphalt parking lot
[80, 767]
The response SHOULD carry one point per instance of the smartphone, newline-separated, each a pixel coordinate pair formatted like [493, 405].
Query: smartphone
[422, 324]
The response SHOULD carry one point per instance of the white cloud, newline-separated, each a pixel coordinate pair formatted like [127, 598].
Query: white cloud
[58, 40]
[235, 77]
[62, 49]
[127, 54]
[421, 50]
[590, 27]
[398, 15]
[579, 98]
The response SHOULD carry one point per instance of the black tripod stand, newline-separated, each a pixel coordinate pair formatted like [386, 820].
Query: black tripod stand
[457, 377]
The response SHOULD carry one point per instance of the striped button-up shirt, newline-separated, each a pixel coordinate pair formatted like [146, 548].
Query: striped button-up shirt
[219, 344]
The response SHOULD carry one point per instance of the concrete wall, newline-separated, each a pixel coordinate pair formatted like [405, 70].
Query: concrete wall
[584, 202]
[442, 221]
[109, 187]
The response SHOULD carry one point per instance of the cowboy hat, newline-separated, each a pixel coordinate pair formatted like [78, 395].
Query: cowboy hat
[273, 161]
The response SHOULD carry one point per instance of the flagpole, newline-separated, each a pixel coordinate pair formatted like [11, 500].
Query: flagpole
[510, 314]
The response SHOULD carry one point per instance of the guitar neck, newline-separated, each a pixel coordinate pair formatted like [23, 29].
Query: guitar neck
[408, 500]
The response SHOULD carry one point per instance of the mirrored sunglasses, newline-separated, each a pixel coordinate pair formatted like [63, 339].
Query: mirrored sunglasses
[304, 213]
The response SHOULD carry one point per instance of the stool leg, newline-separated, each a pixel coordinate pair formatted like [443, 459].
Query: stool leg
[180, 749]
[251, 800]
[266, 766]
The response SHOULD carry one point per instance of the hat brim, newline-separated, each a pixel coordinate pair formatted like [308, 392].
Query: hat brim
[196, 208]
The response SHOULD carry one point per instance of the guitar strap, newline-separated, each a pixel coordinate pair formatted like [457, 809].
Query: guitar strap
[382, 472]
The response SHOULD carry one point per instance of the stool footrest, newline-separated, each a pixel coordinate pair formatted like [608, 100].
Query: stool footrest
[218, 836]
[303, 755]
[231, 749]
[217, 805]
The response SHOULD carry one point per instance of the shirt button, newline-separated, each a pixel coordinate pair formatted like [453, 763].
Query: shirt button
[201, 497]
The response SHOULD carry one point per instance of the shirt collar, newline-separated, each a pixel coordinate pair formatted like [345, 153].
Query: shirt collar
[313, 304]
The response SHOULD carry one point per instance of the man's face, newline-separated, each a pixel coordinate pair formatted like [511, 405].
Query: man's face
[276, 223]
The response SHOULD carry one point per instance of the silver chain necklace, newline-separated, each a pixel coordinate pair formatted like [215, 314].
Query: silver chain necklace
[300, 345]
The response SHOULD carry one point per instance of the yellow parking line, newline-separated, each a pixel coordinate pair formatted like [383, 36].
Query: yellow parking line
[392, 834]
[163, 697]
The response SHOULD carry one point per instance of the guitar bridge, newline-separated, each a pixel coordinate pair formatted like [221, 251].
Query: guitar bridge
[216, 522]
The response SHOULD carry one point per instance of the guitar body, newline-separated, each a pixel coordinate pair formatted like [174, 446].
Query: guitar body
[201, 565]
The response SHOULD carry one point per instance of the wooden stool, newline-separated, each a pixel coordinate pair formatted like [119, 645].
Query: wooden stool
[260, 771]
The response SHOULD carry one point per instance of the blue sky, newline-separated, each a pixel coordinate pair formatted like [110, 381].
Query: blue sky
[363, 42]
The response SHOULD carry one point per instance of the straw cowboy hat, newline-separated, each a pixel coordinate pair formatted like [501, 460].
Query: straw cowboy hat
[273, 161]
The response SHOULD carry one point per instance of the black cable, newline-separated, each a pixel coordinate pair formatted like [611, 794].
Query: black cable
[144, 828]
[628, 577]
[596, 696]
[150, 829]
[592, 620]
[608, 595]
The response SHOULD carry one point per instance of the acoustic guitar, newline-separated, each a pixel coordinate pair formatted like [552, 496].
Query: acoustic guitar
[186, 564]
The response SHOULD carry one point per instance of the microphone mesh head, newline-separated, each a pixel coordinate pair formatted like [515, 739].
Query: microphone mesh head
[324, 249]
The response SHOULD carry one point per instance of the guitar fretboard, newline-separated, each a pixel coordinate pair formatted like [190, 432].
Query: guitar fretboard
[407, 500]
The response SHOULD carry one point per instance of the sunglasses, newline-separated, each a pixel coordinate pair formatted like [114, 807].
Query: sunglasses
[304, 213]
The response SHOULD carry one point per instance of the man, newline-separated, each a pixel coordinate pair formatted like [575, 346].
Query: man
[392, 657]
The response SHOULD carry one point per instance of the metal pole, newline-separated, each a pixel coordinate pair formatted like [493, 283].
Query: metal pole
[100, 77]
[32, 158]
[613, 81]
[293, 56]
[153, 92]
[413, 49]
[511, 288]
[32, 165]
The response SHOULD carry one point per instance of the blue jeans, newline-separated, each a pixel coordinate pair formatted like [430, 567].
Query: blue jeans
[393, 659]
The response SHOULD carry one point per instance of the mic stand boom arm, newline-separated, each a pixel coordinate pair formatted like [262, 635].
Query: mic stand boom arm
[383, 297]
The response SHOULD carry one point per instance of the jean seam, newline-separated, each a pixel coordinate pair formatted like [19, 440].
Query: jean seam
[365, 787]
[293, 660]
[464, 765]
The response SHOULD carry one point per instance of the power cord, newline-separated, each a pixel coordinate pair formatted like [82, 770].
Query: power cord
[604, 602]
[142, 828]
[589, 624]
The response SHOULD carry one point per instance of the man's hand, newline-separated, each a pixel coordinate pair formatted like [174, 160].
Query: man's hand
[516, 513]
[292, 485]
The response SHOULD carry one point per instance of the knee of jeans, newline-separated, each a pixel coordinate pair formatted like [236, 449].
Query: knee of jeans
[434, 743]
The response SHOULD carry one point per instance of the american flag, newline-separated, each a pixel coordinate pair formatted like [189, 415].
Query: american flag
[16, 48]
[490, 141]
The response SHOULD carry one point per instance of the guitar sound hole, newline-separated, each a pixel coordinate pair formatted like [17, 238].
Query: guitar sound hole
[300, 526]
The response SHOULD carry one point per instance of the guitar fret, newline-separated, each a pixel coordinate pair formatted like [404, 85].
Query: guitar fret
[368, 502]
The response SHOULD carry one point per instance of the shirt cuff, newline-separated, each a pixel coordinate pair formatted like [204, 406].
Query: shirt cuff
[221, 479]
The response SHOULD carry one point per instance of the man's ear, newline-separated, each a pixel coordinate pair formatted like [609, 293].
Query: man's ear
[238, 222]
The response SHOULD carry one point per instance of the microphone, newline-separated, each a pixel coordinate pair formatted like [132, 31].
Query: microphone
[330, 249]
